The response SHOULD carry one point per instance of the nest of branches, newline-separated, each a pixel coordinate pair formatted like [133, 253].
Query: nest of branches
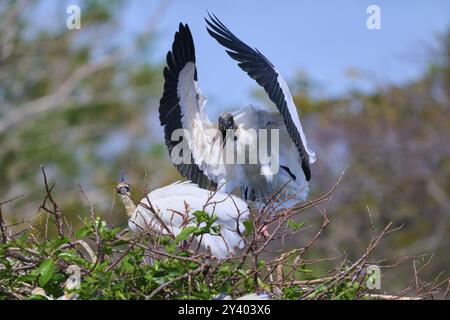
[103, 261]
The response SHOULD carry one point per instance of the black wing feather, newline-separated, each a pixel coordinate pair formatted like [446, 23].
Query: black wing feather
[170, 112]
[259, 68]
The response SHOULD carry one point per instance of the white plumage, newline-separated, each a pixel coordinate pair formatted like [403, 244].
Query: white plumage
[173, 202]
[183, 107]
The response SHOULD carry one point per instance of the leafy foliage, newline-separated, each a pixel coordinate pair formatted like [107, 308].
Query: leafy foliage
[114, 264]
[102, 261]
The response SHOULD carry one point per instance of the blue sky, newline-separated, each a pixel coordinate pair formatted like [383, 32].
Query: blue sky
[321, 38]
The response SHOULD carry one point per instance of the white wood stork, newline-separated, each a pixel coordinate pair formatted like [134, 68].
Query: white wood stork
[182, 106]
[169, 209]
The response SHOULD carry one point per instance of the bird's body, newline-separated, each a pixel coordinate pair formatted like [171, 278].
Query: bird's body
[259, 182]
[170, 209]
[201, 149]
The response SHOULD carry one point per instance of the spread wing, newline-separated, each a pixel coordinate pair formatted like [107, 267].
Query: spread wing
[259, 68]
[182, 107]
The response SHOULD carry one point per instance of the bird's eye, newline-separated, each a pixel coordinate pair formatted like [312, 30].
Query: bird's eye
[123, 189]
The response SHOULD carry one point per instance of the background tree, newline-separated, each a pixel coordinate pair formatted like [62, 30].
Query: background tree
[77, 102]
[395, 142]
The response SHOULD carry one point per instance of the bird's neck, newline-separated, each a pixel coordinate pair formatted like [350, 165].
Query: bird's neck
[128, 203]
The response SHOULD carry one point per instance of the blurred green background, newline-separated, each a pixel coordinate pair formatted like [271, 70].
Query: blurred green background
[84, 103]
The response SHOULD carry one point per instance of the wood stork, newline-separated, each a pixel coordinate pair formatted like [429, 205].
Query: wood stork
[182, 109]
[169, 209]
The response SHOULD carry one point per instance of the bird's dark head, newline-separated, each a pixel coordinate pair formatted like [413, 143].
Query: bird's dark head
[122, 187]
[124, 191]
[226, 121]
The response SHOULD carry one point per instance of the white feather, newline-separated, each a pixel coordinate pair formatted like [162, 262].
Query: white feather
[209, 156]
[170, 204]
[261, 177]
[294, 115]
[205, 147]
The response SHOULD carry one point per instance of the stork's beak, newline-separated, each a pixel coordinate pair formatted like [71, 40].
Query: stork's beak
[223, 132]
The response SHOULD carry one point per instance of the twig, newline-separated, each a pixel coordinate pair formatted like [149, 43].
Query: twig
[56, 212]
[2, 227]
[98, 239]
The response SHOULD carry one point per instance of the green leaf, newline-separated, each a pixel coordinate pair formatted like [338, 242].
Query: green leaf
[29, 277]
[170, 248]
[165, 240]
[59, 242]
[225, 269]
[201, 216]
[248, 226]
[66, 255]
[82, 233]
[46, 270]
[294, 225]
[186, 232]
[216, 229]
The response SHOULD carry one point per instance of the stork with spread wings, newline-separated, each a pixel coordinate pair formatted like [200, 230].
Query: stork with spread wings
[196, 144]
